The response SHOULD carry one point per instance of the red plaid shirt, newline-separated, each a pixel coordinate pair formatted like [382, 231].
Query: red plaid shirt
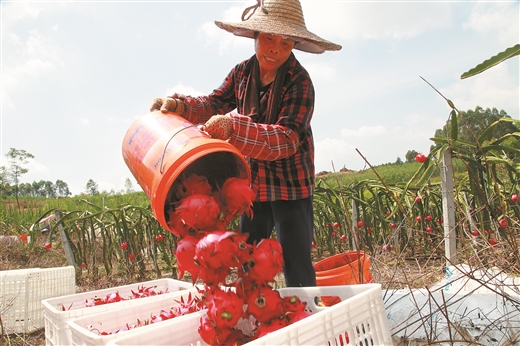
[281, 155]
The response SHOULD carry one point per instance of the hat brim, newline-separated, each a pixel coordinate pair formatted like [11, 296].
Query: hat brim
[306, 41]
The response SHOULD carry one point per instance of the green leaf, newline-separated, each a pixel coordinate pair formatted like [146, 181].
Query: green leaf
[497, 59]
[454, 126]
[487, 132]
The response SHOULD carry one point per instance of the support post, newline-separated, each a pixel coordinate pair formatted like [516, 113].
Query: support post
[448, 208]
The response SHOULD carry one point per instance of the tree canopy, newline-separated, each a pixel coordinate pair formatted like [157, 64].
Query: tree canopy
[473, 123]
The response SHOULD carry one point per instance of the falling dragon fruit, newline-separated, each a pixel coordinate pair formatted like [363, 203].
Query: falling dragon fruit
[210, 252]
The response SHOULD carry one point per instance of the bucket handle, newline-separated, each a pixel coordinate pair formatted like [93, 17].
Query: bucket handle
[169, 140]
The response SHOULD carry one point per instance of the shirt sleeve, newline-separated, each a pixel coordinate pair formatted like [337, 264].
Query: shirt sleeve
[271, 142]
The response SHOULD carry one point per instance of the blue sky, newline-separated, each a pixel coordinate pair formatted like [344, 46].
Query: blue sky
[76, 75]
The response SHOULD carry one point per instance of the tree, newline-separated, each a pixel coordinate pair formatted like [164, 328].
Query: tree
[17, 158]
[398, 161]
[50, 189]
[5, 188]
[410, 155]
[472, 123]
[92, 188]
[38, 188]
[128, 186]
[62, 188]
[25, 189]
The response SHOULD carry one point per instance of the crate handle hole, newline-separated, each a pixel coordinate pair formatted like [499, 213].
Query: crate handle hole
[327, 300]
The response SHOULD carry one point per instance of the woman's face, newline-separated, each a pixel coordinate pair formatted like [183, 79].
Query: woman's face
[272, 51]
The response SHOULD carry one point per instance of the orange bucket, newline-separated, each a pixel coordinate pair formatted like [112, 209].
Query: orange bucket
[161, 148]
[342, 269]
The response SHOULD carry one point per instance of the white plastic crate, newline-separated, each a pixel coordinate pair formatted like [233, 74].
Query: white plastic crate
[57, 330]
[85, 331]
[359, 319]
[21, 293]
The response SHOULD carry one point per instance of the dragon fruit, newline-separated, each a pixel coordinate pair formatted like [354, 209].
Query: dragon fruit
[210, 333]
[193, 185]
[199, 211]
[185, 254]
[269, 327]
[266, 261]
[176, 225]
[237, 196]
[225, 307]
[264, 304]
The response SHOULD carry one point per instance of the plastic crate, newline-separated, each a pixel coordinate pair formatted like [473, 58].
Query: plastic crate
[359, 319]
[85, 331]
[21, 293]
[57, 330]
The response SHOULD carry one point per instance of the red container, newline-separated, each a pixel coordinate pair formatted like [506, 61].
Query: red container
[343, 269]
[160, 148]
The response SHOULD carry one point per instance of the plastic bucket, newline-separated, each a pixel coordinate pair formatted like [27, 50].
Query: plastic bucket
[342, 269]
[161, 148]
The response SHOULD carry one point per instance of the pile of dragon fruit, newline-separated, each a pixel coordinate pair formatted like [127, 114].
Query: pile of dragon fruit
[142, 292]
[210, 252]
[183, 308]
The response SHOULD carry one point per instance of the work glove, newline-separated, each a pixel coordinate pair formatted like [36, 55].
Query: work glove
[219, 126]
[168, 104]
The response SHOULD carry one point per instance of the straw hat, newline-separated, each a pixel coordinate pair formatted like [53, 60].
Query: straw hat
[279, 17]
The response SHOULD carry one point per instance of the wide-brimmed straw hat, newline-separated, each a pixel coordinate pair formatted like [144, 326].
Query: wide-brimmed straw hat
[279, 17]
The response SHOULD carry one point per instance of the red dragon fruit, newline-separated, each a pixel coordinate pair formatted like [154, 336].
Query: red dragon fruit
[176, 226]
[185, 254]
[192, 304]
[193, 185]
[294, 309]
[264, 304]
[221, 249]
[237, 196]
[225, 307]
[293, 304]
[199, 211]
[237, 337]
[269, 327]
[212, 277]
[266, 261]
[110, 298]
[210, 333]
[243, 285]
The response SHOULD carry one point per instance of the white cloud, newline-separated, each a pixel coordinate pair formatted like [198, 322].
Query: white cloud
[499, 17]
[364, 132]
[324, 70]
[225, 40]
[333, 154]
[36, 168]
[16, 11]
[495, 87]
[84, 121]
[184, 90]
[29, 59]
[371, 20]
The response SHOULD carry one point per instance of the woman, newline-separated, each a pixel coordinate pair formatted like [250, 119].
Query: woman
[274, 100]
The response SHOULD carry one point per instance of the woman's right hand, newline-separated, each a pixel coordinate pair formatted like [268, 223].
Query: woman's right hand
[168, 104]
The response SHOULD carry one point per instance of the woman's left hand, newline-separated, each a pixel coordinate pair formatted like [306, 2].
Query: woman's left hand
[219, 126]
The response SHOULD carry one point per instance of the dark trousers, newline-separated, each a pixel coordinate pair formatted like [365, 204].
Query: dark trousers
[294, 224]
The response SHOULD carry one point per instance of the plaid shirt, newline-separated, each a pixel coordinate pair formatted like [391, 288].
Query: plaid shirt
[281, 155]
